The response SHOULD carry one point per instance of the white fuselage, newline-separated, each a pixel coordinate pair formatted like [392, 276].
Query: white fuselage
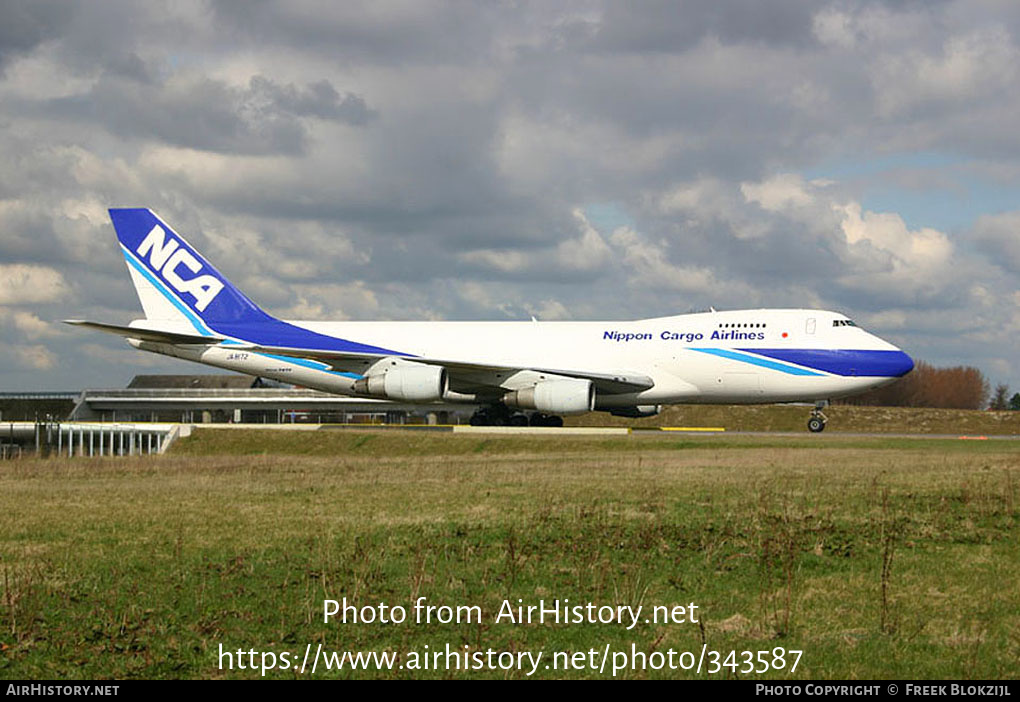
[712, 357]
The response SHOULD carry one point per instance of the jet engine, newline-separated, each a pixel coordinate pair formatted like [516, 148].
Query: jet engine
[567, 396]
[410, 382]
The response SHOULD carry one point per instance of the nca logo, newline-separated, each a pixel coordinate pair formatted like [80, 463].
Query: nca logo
[166, 256]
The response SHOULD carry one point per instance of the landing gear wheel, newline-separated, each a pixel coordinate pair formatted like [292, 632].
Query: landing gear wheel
[538, 419]
[499, 416]
[818, 420]
[496, 416]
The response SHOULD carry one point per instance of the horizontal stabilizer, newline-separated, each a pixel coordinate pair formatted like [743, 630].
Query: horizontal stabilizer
[162, 337]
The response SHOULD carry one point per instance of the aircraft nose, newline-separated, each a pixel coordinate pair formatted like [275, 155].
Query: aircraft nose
[887, 363]
[900, 364]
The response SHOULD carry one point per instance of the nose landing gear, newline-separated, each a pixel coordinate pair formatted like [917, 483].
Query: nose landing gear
[818, 419]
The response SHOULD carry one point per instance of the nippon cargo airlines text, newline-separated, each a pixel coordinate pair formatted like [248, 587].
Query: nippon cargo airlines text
[603, 661]
[688, 336]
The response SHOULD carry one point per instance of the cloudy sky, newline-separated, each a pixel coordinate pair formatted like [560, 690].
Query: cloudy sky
[496, 160]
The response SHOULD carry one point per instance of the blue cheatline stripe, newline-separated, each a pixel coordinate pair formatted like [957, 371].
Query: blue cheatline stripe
[195, 321]
[308, 363]
[756, 361]
[885, 363]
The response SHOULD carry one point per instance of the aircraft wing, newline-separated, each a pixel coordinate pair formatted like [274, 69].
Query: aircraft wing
[464, 373]
[610, 383]
[468, 372]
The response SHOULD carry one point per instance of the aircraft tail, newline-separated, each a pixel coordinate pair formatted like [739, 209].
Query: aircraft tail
[174, 281]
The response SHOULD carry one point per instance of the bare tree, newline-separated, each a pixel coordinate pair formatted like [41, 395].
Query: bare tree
[1000, 399]
[958, 387]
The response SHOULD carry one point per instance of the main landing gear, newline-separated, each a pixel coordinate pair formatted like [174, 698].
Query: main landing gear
[818, 419]
[501, 416]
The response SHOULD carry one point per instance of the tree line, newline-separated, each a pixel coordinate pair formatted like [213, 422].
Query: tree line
[958, 387]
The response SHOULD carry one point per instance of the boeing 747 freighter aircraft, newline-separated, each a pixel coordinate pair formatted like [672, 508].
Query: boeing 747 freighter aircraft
[515, 372]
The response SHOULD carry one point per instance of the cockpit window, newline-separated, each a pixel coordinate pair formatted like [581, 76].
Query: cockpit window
[843, 323]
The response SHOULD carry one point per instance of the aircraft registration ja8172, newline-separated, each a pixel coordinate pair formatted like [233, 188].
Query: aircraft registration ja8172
[516, 373]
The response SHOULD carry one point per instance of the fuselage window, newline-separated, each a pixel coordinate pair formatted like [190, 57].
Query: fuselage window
[742, 325]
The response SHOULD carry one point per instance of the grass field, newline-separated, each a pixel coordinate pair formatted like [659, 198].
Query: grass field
[842, 419]
[876, 557]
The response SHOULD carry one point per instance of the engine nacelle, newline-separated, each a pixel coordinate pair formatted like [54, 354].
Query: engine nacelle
[637, 411]
[567, 396]
[405, 381]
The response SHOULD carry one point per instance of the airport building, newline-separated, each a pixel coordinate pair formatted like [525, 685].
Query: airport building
[203, 399]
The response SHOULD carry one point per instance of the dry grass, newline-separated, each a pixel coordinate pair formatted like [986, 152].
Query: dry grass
[842, 418]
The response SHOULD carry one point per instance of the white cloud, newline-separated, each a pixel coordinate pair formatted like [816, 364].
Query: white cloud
[121, 356]
[29, 325]
[549, 310]
[965, 68]
[876, 251]
[835, 28]
[25, 284]
[586, 252]
[35, 357]
[650, 266]
[999, 236]
[886, 320]
[352, 300]
[505, 260]
[690, 197]
[781, 192]
[921, 251]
